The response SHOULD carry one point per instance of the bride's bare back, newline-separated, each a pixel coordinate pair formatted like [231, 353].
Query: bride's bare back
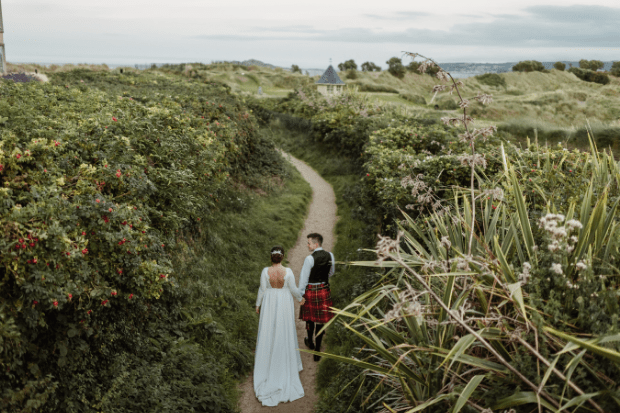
[276, 276]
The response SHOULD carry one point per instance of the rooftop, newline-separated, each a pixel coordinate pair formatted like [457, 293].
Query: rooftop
[330, 77]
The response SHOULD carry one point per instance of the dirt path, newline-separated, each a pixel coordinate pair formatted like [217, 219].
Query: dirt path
[322, 219]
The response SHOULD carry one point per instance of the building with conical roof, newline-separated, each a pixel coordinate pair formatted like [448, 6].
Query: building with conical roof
[330, 83]
[2, 57]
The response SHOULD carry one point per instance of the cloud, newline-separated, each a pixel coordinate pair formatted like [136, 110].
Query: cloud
[401, 15]
[538, 26]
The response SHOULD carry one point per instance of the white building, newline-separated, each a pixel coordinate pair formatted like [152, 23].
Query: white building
[330, 83]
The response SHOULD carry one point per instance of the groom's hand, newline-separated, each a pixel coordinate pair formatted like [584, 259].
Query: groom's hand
[303, 301]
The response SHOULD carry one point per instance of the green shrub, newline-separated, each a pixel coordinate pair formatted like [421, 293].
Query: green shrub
[395, 67]
[615, 69]
[370, 67]
[559, 66]
[593, 65]
[589, 75]
[417, 99]
[102, 188]
[371, 87]
[351, 74]
[347, 65]
[528, 66]
[447, 104]
[491, 79]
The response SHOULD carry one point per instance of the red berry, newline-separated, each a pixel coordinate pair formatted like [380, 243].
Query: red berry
[113, 293]
[70, 296]
[89, 312]
[98, 201]
[55, 303]
[85, 251]
[110, 209]
[83, 233]
[130, 296]
[114, 119]
[35, 302]
[18, 156]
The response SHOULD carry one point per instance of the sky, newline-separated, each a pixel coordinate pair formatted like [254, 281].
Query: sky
[308, 33]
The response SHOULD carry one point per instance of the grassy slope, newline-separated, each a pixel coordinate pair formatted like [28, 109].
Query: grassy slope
[555, 99]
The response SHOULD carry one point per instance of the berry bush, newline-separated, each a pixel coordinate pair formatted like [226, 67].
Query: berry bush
[99, 173]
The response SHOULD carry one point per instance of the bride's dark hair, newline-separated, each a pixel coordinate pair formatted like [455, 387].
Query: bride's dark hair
[277, 254]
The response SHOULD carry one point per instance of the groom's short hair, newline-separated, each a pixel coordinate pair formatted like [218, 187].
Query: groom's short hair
[318, 238]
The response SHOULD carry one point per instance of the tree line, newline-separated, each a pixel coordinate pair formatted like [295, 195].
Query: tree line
[396, 68]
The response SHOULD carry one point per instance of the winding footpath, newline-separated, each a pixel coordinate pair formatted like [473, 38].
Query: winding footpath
[322, 219]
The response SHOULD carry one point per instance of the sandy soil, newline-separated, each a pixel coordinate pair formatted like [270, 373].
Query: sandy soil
[322, 219]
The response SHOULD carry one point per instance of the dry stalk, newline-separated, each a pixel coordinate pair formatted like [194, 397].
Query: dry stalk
[472, 146]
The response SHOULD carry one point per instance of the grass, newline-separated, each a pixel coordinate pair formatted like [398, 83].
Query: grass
[226, 259]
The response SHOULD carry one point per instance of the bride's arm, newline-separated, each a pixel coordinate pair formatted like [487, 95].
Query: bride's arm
[262, 288]
[290, 283]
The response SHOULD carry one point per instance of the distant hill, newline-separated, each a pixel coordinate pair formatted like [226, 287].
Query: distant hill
[502, 67]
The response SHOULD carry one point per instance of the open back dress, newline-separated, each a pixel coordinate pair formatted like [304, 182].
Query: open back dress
[277, 362]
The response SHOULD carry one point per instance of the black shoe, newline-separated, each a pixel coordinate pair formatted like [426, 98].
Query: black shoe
[317, 358]
[309, 344]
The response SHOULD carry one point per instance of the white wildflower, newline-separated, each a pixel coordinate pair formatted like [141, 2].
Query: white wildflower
[581, 266]
[445, 242]
[442, 75]
[556, 268]
[574, 224]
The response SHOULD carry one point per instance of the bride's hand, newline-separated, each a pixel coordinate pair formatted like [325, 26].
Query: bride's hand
[303, 301]
[257, 310]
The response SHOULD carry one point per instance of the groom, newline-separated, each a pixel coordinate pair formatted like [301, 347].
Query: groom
[314, 285]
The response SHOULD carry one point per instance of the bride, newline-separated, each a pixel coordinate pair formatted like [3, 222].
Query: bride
[277, 362]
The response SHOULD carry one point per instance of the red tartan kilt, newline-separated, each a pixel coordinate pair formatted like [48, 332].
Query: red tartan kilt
[318, 300]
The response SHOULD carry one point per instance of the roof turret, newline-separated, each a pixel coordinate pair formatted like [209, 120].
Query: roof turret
[330, 77]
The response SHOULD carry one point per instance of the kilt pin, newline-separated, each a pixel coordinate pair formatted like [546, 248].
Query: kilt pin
[318, 303]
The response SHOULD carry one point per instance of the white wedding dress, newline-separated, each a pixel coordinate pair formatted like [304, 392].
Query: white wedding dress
[277, 362]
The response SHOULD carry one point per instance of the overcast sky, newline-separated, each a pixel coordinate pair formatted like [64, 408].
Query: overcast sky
[308, 33]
